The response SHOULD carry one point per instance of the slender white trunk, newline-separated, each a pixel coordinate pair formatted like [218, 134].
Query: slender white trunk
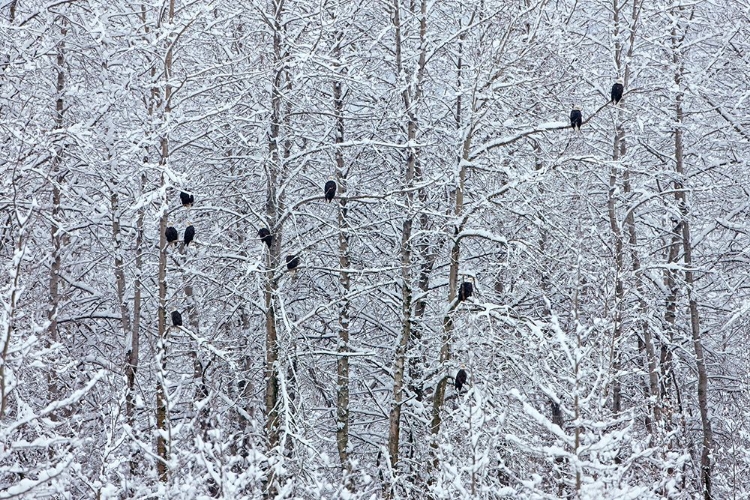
[465, 131]
[56, 236]
[163, 441]
[681, 198]
[275, 170]
[342, 362]
[410, 95]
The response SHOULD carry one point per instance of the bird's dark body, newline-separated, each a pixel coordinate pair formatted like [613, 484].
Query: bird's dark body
[292, 261]
[617, 90]
[465, 291]
[576, 119]
[330, 190]
[186, 199]
[461, 377]
[176, 318]
[171, 234]
[265, 236]
[189, 234]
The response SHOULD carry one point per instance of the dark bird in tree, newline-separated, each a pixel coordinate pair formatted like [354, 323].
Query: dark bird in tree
[557, 416]
[292, 261]
[330, 190]
[576, 118]
[189, 234]
[461, 377]
[617, 90]
[265, 236]
[171, 234]
[186, 199]
[176, 318]
[465, 291]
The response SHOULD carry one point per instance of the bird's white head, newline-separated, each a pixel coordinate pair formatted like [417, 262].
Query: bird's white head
[577, 107]
[620, 81]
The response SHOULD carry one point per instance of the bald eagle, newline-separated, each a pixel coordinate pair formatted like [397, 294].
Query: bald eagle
[617, 90]
[330, 190]
[461, 377]
[186, 199]
[176, 318]
[189, 234]
[171, 234]
[576, 118]
[465, 291]
[265, 236]
[557, 415]
[292, 261]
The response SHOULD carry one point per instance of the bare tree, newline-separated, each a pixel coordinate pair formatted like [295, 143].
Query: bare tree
[677, 36]
[162, 404]
[57, 175]
[274, 208]
[410, 80]
[342, 361]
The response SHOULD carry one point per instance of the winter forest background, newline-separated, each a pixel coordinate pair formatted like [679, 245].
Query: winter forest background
[606, 341]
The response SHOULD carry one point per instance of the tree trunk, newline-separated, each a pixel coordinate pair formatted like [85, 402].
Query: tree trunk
[681, 198]
[619, 150]
[273, 260]
[455, 255]
[14, 292]
[410, 96]
[615, 353]
[342, 368]
[162, 451]
[162, 418]
[119, 266]
[132, 343]
[57, 177]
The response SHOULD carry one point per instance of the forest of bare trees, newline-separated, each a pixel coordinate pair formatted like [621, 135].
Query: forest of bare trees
[606, 340]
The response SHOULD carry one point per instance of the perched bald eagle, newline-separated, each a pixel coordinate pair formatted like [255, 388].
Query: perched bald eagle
[330, 190]
[461, 377]
[576, 118]
[265, 236]
[189, 234]
[176, 318]
[171, 234]
[186, 199]
[465, 291]
[292, 261]
[557, 415]
[617, 90]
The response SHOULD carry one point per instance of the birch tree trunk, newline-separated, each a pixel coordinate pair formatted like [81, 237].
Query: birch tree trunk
[56, 177]
[162, 450]
[615, 353]
[119, 269]
[647, 344]
[670, 317]
[618, 152]
[162, 404]
[681, 198]
[342, 362]
[132, 342]
[465, 131]
[273, 259]
[12, 301]
[410, 96]
[119, 266]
